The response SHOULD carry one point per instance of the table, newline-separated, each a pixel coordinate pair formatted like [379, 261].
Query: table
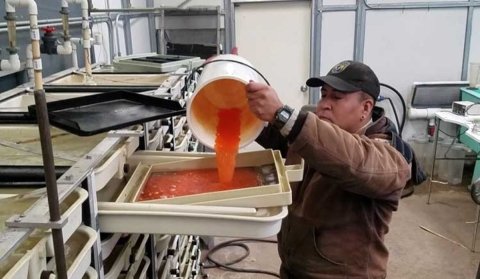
[449, 117]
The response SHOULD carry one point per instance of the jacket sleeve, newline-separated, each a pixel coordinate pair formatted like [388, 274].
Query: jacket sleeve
[271, 138]
[361, 165]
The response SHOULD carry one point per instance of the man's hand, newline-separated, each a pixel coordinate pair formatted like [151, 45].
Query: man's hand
[263, 101]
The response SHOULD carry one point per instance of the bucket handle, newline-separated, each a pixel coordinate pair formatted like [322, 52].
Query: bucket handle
[197, 70]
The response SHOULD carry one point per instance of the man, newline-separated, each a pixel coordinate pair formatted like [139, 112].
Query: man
[356, 168]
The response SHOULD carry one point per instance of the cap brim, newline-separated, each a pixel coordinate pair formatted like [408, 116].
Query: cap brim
[334, 82]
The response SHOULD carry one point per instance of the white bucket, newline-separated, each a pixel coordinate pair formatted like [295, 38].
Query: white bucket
[222, 86]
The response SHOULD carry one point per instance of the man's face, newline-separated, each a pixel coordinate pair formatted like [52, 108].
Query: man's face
[344, 109]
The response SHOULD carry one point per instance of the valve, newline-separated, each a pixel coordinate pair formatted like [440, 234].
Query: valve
[49, 45]
[48, 29]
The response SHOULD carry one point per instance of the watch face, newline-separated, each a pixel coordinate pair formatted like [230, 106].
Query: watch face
[284, 116]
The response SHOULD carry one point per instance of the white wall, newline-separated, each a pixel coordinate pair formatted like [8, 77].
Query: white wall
[403, 47]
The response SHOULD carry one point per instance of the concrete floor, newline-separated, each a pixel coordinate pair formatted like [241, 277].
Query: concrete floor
[414, 252]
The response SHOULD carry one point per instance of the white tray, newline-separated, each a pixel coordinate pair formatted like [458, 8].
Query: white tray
[74, 213]
[143, 218]
[83, 259]
[109, 244]
[121, 260]
[68, 147]
[27, 261]
[263, 196]
[162, 243]
[179, 127]
[183, 145]
[90, 274]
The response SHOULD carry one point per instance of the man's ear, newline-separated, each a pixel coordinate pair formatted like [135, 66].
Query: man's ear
[368, 105]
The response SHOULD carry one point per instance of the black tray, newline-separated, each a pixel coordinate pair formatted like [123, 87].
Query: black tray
[99, 113]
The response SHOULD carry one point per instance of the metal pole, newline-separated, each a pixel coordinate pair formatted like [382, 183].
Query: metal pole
[151, 28]
[42, 21]
[475, 229]
[435, 143]
[467, 43]
[315, 47]
[219, 16]
[50, 180]
[127, 29]
[152, 254]
[90, 218]
[227, 21]
[162, 34]
[359, 43]
[133, 10]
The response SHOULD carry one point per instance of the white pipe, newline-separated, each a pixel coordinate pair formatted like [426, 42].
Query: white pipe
[29, 63]
[34, 34]
[65, 48]
[425, 114]
[12, 64]
[118, 53]
[74, 56]
[86, 36]
[11, 4]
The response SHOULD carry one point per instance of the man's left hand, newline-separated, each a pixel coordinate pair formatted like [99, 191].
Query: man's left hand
[263, 101]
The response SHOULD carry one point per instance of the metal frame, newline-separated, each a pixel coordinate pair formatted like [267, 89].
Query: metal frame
[431, 180]
[360, 10]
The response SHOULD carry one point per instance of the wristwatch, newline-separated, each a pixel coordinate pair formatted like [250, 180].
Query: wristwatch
[281, 117]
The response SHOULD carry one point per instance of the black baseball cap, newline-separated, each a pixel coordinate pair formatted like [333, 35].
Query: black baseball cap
[350, 76]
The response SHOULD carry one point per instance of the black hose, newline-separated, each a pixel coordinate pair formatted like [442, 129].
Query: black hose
[227, 265]
[395, 113]
[404, 106]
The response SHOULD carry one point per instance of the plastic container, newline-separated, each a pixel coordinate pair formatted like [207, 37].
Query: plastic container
[474, 76]
[109, 244]
[455, 167]
[125, 218]
[78, 252]
[90, 274]
[222, 86]
[27, 261]
[423, 151]
[272, 194]
[442, 149]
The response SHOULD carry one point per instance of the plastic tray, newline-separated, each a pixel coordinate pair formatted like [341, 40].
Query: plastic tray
[90, 274]
[278, 194]
[120, 259]
[109, 244]
[74, 213]
[181, 142]
[111, 80]
[143, 218]
[65, 144]
[128, 63]
[91, 115]
[27, 261]
[86, 238]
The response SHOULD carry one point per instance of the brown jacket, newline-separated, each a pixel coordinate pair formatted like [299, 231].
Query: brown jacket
[341, 210]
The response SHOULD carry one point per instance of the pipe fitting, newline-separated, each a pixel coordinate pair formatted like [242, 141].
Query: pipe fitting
[32, 6]
[12, 64]
[65, 49]
[29, 65]
[425, 114]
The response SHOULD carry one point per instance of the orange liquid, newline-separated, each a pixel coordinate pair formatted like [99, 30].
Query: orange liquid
[226, 143]
[184, 183]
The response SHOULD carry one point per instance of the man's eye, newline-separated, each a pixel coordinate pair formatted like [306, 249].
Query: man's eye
[337, 97]
[324, 95]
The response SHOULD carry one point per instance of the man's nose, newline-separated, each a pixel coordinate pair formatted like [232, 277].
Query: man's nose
[324, 104]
